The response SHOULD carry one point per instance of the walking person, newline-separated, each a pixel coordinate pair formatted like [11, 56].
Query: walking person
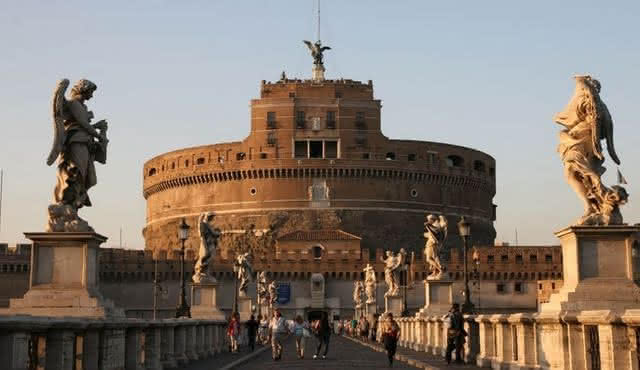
[301, 332]
[322, 330]
[390, 334]
[279, 331]
[263, 331]
[374, 328]
[364, 329]
[252, 330]
[233, 331]
[455, 334]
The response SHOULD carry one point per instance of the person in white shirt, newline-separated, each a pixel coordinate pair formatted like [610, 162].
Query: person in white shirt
[279, 331]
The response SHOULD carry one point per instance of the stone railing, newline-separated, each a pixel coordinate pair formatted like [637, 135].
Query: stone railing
[589, 340]
[28, 342]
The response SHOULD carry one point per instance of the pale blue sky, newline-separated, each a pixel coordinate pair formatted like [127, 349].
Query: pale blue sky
[172, 74]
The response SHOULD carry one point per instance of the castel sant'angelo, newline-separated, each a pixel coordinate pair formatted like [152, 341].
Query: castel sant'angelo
[316, 159]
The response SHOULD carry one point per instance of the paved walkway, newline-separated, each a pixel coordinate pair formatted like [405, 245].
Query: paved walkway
[344, 353]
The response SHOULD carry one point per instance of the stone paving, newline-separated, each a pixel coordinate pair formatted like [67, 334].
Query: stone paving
[344, 353]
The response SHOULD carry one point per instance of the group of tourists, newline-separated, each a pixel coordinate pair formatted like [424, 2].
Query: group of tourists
[276, 330]
[364, 329]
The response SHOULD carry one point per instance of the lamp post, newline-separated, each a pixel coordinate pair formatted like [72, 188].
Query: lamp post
[464, 229]
[475, 256]
[183, 309]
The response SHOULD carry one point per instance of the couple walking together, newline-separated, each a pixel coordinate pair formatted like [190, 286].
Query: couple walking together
[280, 330]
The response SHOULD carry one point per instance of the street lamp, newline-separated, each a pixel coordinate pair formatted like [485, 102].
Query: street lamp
[183, 308]
[464, 229]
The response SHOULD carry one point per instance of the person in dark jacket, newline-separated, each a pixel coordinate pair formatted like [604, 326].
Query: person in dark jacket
[252, 330]
[455, 334]
[322, 330]
[390, 335]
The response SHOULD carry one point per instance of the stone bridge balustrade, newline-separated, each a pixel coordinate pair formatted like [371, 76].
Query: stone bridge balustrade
[71, 343]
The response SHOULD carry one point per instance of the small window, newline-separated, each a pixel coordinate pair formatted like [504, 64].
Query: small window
[271, 120]
[200, 160]
[365, 155]
[533, 258]
[300, 119]
[331, 120]
[490, 258]
[517, 287]
[152, 171]
[553, 286]
[240, 156]
[263, 155]
[271, 139]
[479, 166]
[390, 156]
[360, 121]
[315, 149]
[173, 165]
[300, 149]
[411, 157]
[518, 258]
[331, 149]
[500, 288]
[186, 163]
[504, 258]
[253, 191]
[317, 252]
[539, 286]
[548, 258]
[338, 95]
[455, 161]
[292, 95]
[432, 158]
[492, 171]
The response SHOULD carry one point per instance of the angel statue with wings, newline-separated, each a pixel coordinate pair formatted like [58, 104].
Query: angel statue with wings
[244, 271]
[393, 263]
[587, 121]
[358, 290]
[435, 231]
[208, 244]
[317, 51]
[77, 144]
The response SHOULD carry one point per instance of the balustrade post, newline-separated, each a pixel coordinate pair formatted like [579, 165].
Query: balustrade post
[190, 340]
[60, 349]
[472, 343]
[135, 343]
[14, 349]
[437, 343]
[523, 339]
[486, 339]
[504, 351]
[200, 340]
[208, 340]
[168, 344]
[112, 346]
[614, 346]
[91, 346]
[153, 346]
[430, 337]
[180, 344]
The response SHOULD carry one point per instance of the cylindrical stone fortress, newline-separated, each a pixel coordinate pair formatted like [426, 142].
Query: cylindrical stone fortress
[316, 159]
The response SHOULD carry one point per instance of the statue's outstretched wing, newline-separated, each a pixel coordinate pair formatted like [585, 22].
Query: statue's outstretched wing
[59, 115]
[325, 48]
[606, 131]
[309, 44]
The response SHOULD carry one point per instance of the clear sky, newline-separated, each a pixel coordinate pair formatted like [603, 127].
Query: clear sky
[171, 74]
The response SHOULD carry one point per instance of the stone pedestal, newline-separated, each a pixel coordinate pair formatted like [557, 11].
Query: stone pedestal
[317, 73]
[438, 297]
[244, 308]
[371, 309]
[64, 277]
[204, 302]
[599, 265]
[393, 304]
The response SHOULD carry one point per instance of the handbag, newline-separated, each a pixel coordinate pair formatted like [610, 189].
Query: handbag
[306, 333]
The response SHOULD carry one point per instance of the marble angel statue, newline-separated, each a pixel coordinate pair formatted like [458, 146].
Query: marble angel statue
[358, 289]
[77, 144]
[243, 270]
[370, 284]
[262, 288]
[393, 264]
[273, 292]
[208, 244]
[586, 122]
[435, 232]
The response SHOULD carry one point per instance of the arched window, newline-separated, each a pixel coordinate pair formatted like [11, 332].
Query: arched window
[455, 161]
[200, 160]
[479, 166]
[152, 171]
[317, 251]
[391, 156]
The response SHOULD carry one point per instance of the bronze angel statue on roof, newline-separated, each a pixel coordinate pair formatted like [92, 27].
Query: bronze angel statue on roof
[77, 144]
[317, 51]
[587, 121]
